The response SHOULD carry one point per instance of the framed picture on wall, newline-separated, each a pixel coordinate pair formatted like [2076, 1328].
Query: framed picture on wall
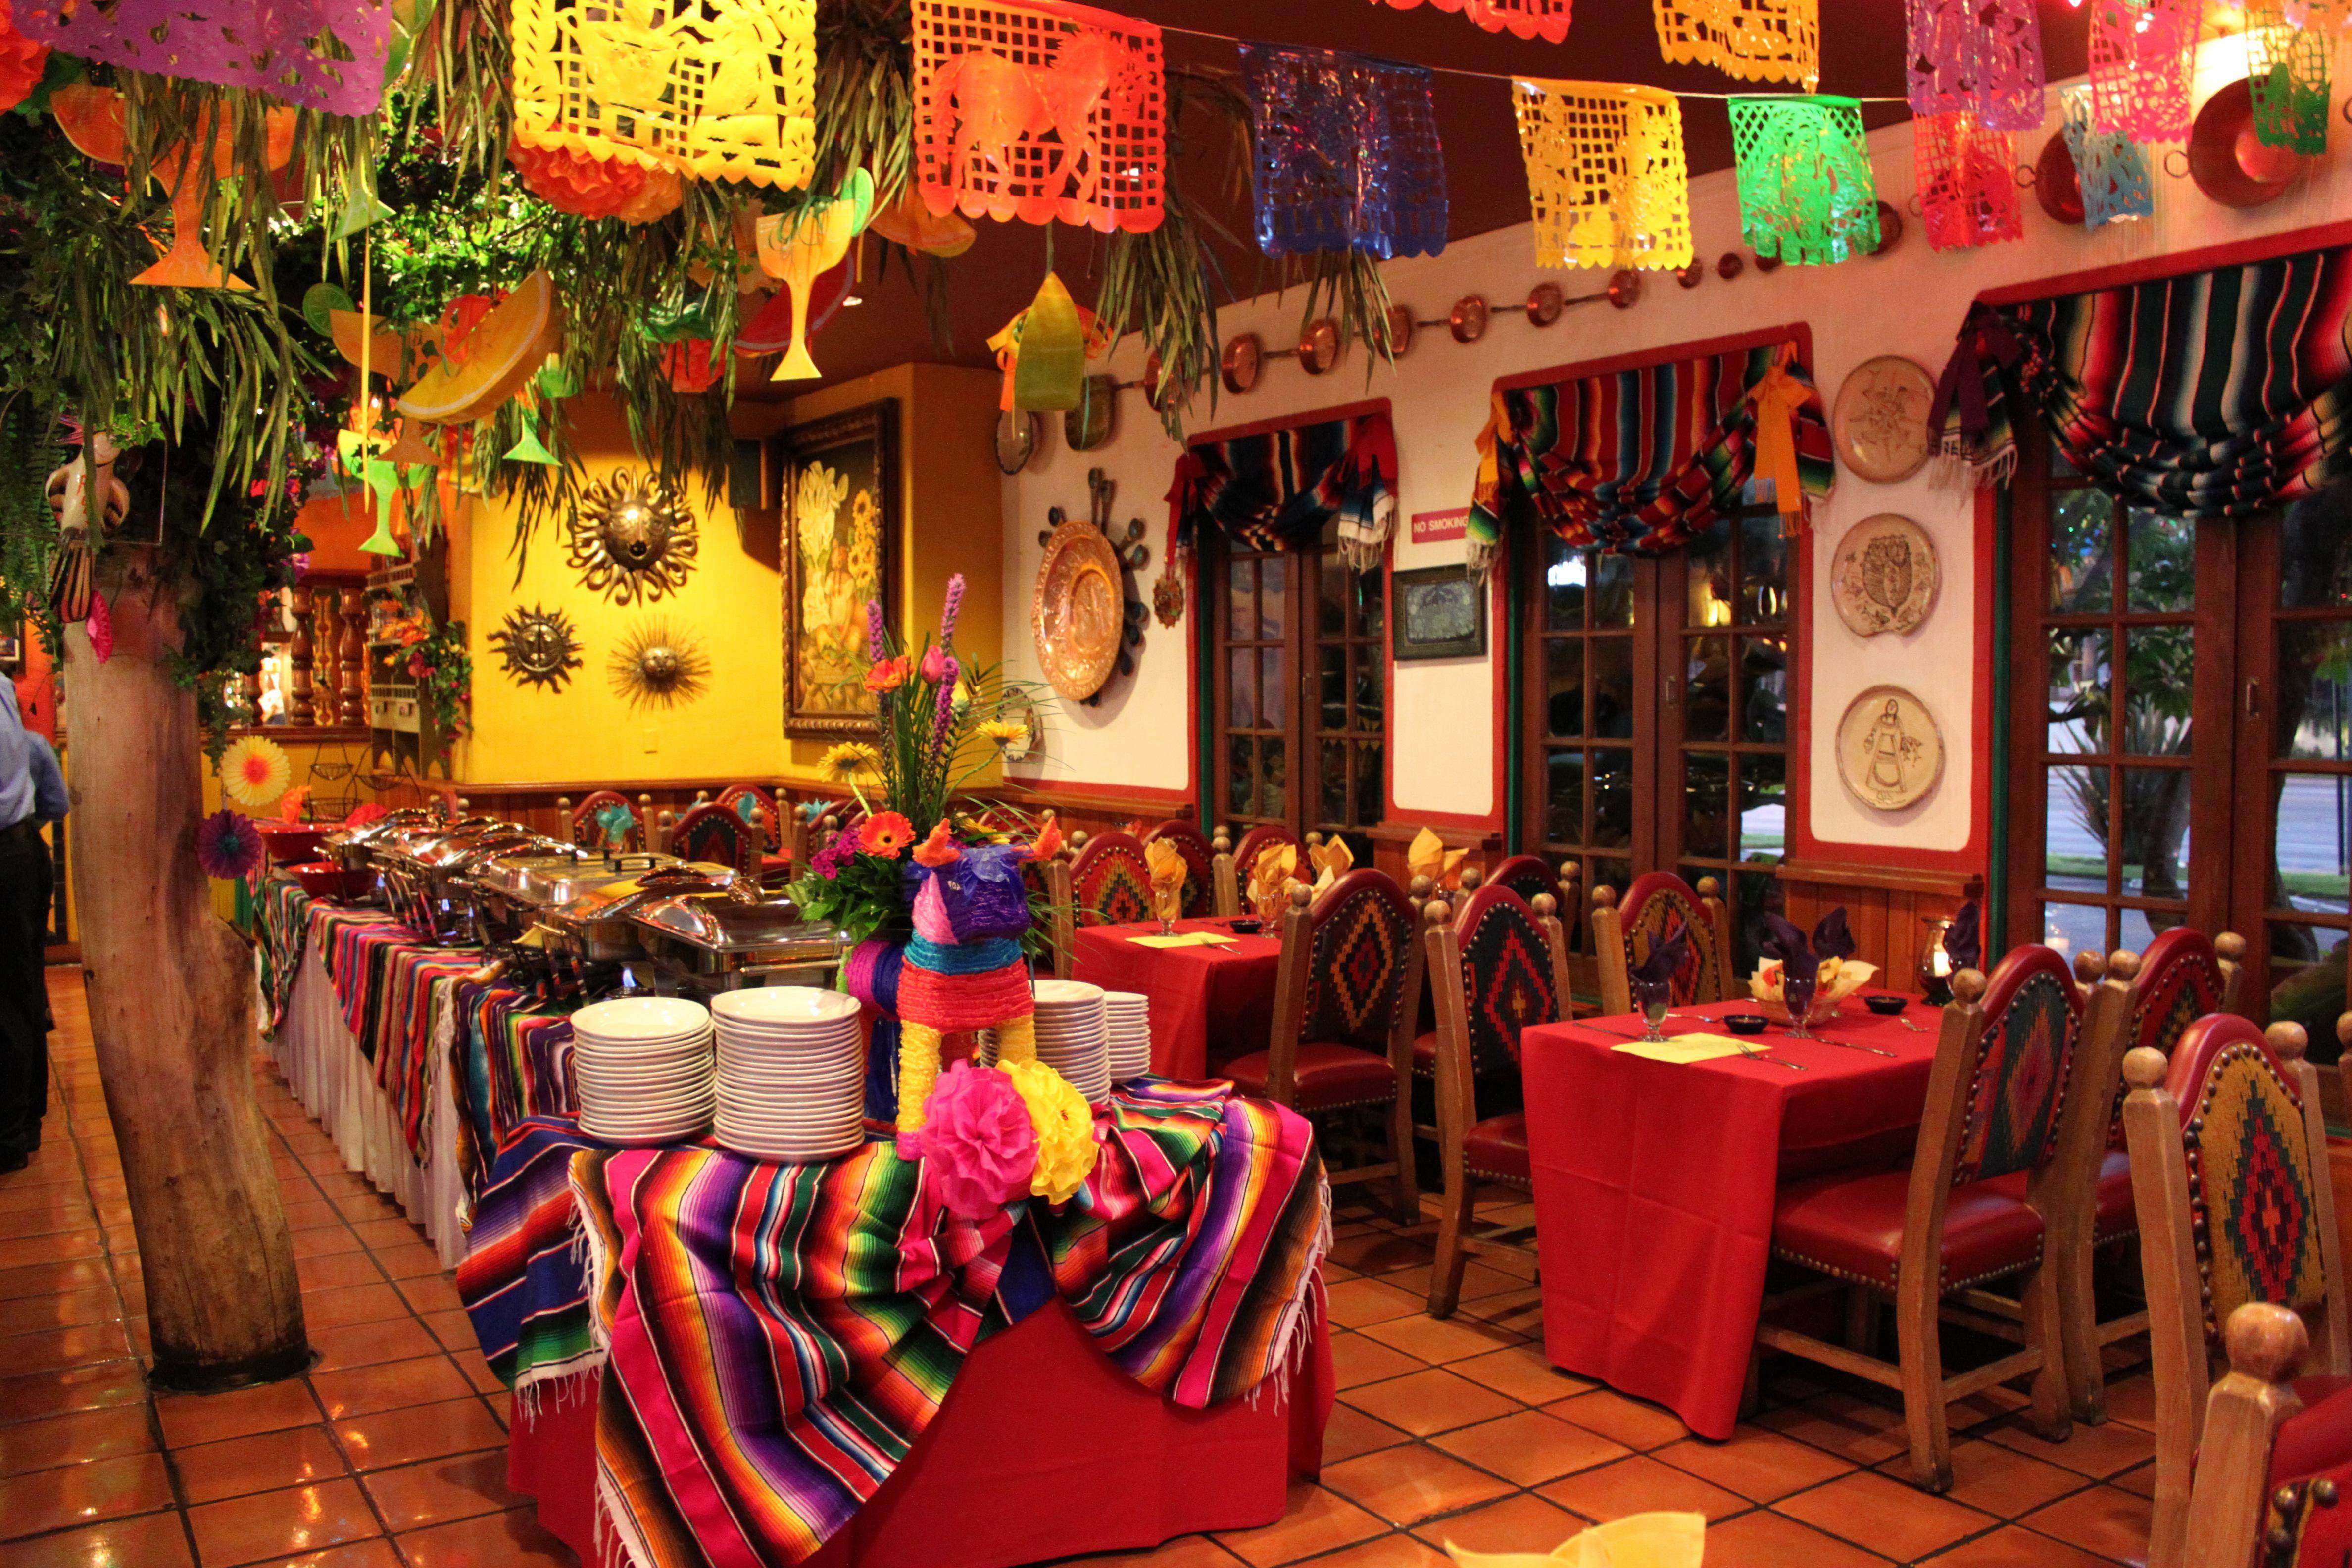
[1439, 613]
[12, 649]
[839, 549]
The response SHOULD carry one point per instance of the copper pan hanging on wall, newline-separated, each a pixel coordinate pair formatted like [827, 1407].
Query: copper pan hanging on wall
[2057, 183]
[2228, 161]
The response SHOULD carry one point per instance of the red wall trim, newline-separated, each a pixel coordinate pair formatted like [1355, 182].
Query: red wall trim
[1638, 358]
[2235, 253]
[1290, 421]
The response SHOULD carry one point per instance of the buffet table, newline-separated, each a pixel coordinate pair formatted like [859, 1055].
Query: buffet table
[1209, 1004]
[1654, 1185]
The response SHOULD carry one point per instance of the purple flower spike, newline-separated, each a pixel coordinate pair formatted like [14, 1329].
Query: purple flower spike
[948, 612]
[874, 630]
[946, 716]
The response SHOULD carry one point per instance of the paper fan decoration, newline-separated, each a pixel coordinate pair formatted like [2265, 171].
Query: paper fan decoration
[1754, 40]
[1981, 56]
[227, 844]
[718, 89]
[365, 812]
[254, 771]
[1347, 153]
[571, 181]
[23, 62]
[295, 804]
[1606, 174]
[98, 626]
[1806, 193]
[1042, 111]
[1968, 182]
[2108, 165]
[2287, 72]
[319, 54]
[1545, 19]
[2144, 65]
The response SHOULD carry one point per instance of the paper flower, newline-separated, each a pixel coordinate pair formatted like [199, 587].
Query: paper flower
[254, 771]
[365, 812]
[573, 181]
[977, 1144]
[1065, 1126]
[1004, 732]
[294, 803]
[887, 675]
[99, 627]
[849, 760]
[227, 844]
[23, 62]
[688, 367]
[886, 834]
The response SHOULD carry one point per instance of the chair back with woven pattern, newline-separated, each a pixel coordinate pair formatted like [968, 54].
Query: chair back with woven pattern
[588, 831]
[1110, 883]
[2012, 1105]
[2181, 980]
[1529, 876]
[1653, 908]
[1512, 971]
[741, 799]
[1199, 887]
[1355, 942]
[1257, 840]
[714, 833]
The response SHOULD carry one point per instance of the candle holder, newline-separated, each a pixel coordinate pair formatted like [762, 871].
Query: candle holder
[1935, 963]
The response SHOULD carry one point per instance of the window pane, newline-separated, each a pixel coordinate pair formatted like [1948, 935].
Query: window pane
[1707, 577]
[1273, 687]
[2074, 927]
[1564, 798]
[1273, 601]
[1763, 807]
[1372, 603]
[1706, 701]
[1371, 675]
[1240, 777]
[1272, 777]
[2308, 860]
[1564, 571]
[1706, 805]
[1763, 571]
[1241, 600]
[2163, 562]
[1331, 598]
[2075, 834]
[2140, 927]
[1759, 894]
[1371, 788]
[2306, 979]
[1764, 690]
[1331, 671]
[2082, 693]
[1612, 590]
[2156, 832]
[1612, 798]
[1612, 687]
[2315, 551]
[2315, 690]
[1332, 795]
[1241, 669]
[1564, 685]
[2082, 549]
[2160, 684]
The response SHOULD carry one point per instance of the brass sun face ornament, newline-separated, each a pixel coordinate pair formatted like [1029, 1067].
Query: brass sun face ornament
[657, 668]
[539, 646]
[633, 538]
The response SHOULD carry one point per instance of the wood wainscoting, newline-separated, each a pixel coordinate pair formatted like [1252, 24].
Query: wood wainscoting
[1886, 907]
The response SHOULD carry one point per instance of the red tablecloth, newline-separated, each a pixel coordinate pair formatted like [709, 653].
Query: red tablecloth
[1653, 1187]
[1209, 1004]
[1037, 1417]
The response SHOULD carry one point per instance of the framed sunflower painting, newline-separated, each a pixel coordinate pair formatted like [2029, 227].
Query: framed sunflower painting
[840, 551]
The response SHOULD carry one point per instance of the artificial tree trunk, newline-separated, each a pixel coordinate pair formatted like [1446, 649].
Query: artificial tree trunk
[171, 1006]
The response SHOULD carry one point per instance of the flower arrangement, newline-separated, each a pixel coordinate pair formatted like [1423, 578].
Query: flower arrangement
[443, 674]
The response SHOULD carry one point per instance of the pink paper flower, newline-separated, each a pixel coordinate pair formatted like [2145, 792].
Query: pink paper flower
[101, 627]
[978, 1144]
[227, 844]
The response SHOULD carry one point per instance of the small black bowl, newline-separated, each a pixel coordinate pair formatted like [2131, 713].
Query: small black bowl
[1247, 926]
[1886, 1005]
[1745, 1023]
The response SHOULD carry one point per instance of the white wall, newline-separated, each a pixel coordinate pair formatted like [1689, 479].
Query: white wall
[1443, 735]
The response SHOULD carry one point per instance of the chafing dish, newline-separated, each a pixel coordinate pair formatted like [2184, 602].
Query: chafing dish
[722, 941]
[595, 925]
[353, 848]
[505, 886]
[418, 867]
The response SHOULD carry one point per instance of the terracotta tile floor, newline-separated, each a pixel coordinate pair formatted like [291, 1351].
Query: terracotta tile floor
[390, 1453]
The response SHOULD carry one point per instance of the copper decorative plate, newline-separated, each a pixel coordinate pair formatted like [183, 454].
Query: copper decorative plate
[1079, 611]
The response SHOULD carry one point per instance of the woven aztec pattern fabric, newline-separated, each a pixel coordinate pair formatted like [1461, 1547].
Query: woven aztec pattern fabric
[1967, 185]
[1545, 19]
[2180, 982]
[1651, 914]
[719, 90]
[1975, 57]
[521, 1280]
[1200, 877]
[322, 54]
[2109, 166]
[716, 834]
[1754, 40]
[1355, 967]
[1041, 111]
[1529, 878]
[2287, 72]
[2144, 65]
[1806, 192]
[1607, 176]
[2252, 1187]
[1346, 154]
[387, 981]
[1507, 979]
[1110, 883]
[2020, 1083]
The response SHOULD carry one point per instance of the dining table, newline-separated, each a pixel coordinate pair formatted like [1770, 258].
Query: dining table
[1654, 1182]
[1208, 1004]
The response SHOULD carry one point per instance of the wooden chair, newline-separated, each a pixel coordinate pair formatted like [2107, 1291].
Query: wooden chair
[587, 831]
[1341, 1036]
[1652, 906]
[1498, 967]
[1231, 871]
[1427, 1025]
[733, 798]
[713, 832]
[1110, 881]
[1200, 863]
[2229, 1162]
[1528, 876]
[1930, 1235]
[1048, 881]
[2273, 1470]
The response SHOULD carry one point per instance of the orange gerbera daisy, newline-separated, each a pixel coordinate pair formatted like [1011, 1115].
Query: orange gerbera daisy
[887, 675]
[886, 834]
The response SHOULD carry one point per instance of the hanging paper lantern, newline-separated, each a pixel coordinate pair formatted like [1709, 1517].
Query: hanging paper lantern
[798, 247]
[2108, 165]
[2287, 70]
[1805, 190]
[720, 90]
[319, 54]
[1979, 57]
[1754, 40]
[1606, 174]
[1039, 111]
[688, 367]
[1545, 19]
[1044, 349]
[1348, 156]
[23, 62]
[572, 182]
[1968, 182]
[2144, 65]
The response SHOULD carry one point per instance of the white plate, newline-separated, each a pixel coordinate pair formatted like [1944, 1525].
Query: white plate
[799, 1004]
[1065, 993]
[639, 1017]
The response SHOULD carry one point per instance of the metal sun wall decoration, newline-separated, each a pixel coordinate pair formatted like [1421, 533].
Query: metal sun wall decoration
[633, 538]
[1347, 154]
[655, 666]
[539, 646]
[1981, 56]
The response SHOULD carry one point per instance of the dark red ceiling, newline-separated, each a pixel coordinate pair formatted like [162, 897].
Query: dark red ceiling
[1610, 40]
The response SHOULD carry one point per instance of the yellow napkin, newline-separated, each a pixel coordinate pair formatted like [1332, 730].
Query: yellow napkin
[1427, 855]
[1166, 863]
[1269, 889]
[1840, 978]
[1184, 938]
[1332, 862]
[1685, 1049]
[1636, 1541]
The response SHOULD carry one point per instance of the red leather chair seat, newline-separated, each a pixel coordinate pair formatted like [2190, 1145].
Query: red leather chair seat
[1424, 1053]
[2116, 1216]
[1328, 1077]
[2318, 1438]
[1498, 1147]
[1852, 1226]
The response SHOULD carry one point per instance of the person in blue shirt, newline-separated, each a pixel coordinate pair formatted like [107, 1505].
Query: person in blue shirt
[31, 792]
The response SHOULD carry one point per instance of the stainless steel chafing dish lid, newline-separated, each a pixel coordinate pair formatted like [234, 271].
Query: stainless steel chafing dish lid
[504, 870]
[554, 883]
[771, 931]
[615, 898]
[455, 851]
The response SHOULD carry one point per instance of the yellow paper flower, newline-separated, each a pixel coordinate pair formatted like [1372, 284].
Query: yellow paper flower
[1006, 732]
[1636, 1541]
[254, 771]
[1066, 1128]
[849, 760]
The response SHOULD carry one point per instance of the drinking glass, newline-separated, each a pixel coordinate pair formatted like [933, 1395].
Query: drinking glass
[1655, 998]
[1797, 996]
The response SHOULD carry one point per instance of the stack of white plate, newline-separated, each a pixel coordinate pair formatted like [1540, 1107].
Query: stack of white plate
[1073, 1037]
[643, 1067]
[1127, 1016]
[792, 1073]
